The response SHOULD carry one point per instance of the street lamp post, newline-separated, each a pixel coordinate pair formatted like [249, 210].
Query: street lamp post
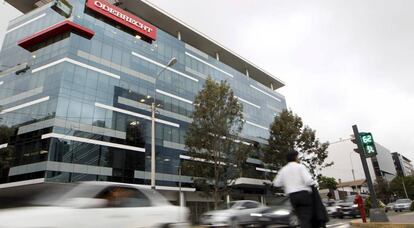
[172, 61]
[353, 172]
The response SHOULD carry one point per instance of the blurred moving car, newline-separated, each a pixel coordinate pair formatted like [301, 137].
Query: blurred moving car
[348, 208]
[389, 206]
[402, 204]
[332, 207]
[279, 213]
[100, 204]
[232, 214]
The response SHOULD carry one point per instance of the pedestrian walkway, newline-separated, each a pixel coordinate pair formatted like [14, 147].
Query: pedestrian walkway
[405, 220]
[338, 225]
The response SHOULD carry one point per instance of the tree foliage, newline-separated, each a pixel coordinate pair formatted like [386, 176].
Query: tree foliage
[396, 186]
[213, 143]
[327, 183]
[288, 133]
[382, 189]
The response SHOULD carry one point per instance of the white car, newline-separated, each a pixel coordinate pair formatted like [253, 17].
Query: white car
[402, 204]
[233, 214]
[332, 207]
[100, 204]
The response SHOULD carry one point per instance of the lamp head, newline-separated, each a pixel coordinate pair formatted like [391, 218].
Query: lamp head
[172, 61]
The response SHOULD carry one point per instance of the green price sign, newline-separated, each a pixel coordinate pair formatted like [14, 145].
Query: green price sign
[368, 144]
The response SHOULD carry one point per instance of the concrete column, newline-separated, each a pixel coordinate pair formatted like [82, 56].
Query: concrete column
[227, 198]
[247, 73]
[179, 35]
[336, 193]
[263, 199]
[181, 198]
[271, 86]
[217, 56]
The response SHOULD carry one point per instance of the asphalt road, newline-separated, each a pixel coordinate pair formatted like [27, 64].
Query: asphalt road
[339, 223]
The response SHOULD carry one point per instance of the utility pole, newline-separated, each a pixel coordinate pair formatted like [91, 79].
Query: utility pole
[374, 201]
[405, 190]
[367, 146]
[172, 61]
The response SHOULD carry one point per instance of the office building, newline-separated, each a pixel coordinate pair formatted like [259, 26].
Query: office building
[347, 166]
[78, 79]
[402, 164]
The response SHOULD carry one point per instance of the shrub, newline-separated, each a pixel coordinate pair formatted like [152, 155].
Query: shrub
[368, 204]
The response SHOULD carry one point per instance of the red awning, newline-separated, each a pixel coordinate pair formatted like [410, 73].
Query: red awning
[54, 30]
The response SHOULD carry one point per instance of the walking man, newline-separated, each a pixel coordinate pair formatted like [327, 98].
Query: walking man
[296, 182]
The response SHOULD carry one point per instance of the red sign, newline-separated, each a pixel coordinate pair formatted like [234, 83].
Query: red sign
[123, 17]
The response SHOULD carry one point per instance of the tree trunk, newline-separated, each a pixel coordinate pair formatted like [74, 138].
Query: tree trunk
[216, 182]
[216, 198]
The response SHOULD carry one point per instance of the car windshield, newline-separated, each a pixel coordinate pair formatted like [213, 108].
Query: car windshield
[403, 201]
[350, 199]
[224, 206]
[279, 201]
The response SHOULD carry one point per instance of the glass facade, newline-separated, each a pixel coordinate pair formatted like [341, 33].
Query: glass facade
[81, 111]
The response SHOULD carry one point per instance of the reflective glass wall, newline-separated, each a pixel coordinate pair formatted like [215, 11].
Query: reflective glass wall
[82, 110]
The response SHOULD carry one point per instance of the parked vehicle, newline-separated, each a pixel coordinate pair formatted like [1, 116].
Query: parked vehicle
[233, 214]
[100, 204]
[279, 213]
[402, 204]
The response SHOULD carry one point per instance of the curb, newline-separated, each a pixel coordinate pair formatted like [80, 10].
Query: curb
[380, 225]
[358, 223]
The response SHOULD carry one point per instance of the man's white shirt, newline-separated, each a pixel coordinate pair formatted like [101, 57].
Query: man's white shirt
[294, 177]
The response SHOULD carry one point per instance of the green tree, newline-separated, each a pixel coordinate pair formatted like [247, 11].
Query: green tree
[397, 187]
[216, 151]
[327, 183]
[382, 189]
[288, 133]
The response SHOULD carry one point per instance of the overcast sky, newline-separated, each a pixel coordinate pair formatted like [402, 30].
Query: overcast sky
[344, 62]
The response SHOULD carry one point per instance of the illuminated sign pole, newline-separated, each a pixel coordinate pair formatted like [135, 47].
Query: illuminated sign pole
[366, 148]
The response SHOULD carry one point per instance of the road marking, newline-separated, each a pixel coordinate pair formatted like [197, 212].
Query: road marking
[338, 225]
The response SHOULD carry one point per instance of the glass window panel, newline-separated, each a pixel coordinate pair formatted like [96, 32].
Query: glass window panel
[87, 113]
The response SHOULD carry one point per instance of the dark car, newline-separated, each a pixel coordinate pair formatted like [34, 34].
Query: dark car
[279, 212]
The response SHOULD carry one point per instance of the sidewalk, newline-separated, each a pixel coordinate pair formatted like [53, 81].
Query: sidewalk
[397, 221]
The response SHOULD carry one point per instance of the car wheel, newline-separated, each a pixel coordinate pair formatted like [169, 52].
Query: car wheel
[293, 221]
[234, 223]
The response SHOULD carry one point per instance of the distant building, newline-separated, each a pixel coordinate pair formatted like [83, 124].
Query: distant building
[383, 163]
[402, 164]
[353, 186]
[347, 165]
[347, 168]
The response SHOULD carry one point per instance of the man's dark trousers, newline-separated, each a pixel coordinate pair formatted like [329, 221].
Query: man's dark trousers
[302, 203]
